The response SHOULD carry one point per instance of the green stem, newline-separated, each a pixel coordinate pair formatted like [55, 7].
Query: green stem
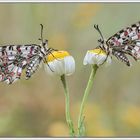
[67, 103]
[81, 130]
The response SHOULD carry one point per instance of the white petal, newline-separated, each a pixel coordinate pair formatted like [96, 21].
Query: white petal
[55, 67]
[49, 68]
[92, 58]
[85, 60]
[108, 61]
[100, 59]
[89, 58]
[69, 65]
[58, 66]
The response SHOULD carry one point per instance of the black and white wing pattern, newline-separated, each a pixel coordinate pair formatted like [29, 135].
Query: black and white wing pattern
[126, 41]
[15, 58]
[33, 65]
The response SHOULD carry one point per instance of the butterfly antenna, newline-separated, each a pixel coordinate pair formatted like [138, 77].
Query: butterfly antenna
[41, 34]
[97, 28]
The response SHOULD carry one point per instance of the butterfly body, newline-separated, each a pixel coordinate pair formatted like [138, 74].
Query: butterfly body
[123, 43]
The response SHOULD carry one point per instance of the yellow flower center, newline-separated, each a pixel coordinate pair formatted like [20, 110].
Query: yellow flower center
[98, 51]
[57, 54]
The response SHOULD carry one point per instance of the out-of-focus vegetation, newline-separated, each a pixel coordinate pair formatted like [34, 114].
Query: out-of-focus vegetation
[36, 107]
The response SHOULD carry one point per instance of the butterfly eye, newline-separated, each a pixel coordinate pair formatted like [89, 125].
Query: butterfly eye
[101, 41]
[44, 43]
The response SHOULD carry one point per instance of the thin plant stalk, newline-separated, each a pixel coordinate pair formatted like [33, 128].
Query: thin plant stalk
[67, 106]
[81, 129]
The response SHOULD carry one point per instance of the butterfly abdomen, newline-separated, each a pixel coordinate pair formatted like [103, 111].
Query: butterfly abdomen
[121, 56]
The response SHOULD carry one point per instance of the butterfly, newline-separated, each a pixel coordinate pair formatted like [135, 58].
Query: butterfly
[124, 42]
[15, 58]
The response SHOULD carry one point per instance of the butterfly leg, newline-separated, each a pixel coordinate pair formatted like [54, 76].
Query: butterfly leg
[45, 61]
[105, 59]
[102, 48]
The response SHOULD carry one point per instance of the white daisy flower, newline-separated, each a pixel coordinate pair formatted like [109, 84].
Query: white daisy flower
[96, 56]
[60, 63]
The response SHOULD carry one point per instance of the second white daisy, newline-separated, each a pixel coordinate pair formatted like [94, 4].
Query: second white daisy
[96, 56]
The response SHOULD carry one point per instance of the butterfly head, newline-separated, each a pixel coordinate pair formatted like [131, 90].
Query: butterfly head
[101, 41]
[45, 44]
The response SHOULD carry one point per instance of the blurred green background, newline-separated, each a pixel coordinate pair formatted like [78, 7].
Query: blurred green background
[36, 107]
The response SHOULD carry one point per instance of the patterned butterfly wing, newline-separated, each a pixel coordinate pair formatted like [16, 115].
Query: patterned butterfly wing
[32, 66]
[126, 41]
[15, 58]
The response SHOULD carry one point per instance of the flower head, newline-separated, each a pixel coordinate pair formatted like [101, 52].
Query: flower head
[96, 56]
[59, 63]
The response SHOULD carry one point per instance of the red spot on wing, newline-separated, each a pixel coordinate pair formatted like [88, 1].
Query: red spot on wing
[125, 33]
[19, 50]
[138, 35]
[117, 42]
